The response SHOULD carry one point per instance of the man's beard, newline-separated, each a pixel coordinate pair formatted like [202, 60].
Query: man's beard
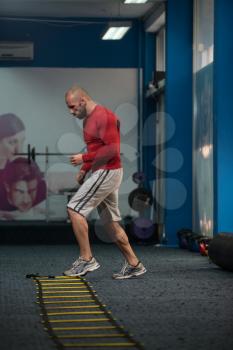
[81, 112]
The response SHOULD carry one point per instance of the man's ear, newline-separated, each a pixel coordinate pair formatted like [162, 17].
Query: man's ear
[83, 101]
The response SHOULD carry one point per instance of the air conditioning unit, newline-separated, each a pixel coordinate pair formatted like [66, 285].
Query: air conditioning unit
[16, 50]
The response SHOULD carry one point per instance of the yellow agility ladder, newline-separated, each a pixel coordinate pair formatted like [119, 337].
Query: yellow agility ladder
[75, 318]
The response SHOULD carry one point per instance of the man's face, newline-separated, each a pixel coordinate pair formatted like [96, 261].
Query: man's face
[22, 194]
[77, 106]
[11, 145]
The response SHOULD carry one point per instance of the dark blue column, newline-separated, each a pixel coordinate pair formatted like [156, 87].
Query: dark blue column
[223, 111]
[178, 103]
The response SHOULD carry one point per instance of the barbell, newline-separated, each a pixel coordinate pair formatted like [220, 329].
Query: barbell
[32, 154]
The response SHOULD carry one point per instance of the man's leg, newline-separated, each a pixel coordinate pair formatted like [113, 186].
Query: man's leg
[133, 267]
[121, 239]
[86, 262]
[88, 196]
[80, 228]
[80, 205]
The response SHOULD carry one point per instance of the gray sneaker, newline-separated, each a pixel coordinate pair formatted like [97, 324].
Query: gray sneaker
[129, 271]
[80, 267]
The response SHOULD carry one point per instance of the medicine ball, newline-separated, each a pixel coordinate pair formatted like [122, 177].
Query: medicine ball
[221, 250]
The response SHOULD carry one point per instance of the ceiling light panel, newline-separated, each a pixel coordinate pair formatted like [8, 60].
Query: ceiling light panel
[135, 1]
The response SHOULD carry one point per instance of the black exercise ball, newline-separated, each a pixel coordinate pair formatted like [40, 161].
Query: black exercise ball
[221, 250]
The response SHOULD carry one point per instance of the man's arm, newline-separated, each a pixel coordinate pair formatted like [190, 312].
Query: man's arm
[78, 160]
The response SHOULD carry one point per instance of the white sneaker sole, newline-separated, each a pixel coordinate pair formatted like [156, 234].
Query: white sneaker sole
[139, 273]
[90, 269]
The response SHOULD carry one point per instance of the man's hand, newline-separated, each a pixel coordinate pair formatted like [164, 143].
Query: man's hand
[80, 177]
[76, 159]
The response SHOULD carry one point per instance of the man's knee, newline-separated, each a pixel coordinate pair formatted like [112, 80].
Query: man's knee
[70, 211]
[73, 214]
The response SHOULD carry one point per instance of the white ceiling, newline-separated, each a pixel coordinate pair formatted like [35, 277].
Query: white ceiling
[76, 8]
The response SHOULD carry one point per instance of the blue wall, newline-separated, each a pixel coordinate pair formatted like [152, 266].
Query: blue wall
[223, 107]
[178, 101]
[72, 45]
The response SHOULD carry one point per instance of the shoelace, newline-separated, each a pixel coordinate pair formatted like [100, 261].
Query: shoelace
[124, 268]
[78, 261]
[127, 267]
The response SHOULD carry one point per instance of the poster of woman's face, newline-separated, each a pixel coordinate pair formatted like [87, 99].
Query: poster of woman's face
[12, 137]
[12, 144]
[22, 186]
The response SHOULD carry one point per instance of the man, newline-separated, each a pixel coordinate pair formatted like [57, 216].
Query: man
[23, 186]
[101, 130]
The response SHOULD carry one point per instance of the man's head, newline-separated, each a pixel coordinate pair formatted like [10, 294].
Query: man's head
[78, 101]
[12, 135]
[21, 183]
[22, 194]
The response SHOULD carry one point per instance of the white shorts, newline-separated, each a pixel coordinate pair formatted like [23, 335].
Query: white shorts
[99, 191]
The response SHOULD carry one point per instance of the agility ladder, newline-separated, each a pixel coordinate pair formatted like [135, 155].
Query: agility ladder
[75, 318]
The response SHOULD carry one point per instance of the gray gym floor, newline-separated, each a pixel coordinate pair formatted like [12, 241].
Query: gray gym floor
[183, 301]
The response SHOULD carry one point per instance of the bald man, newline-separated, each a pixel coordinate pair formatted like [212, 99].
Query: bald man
[101, 130]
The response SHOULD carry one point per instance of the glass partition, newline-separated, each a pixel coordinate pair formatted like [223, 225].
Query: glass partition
[203, 48]
[38, 135]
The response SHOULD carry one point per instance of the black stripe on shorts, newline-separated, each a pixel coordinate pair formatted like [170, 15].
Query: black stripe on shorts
[92, 194]
[86, 194]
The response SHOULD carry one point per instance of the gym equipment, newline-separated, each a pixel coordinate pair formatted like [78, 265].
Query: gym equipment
[84, 317]
[183, 235]
[143, 228]
[221, 250]
[138, 177]
[32, 153]
[193, 242]
[140, 199]
[204, 245]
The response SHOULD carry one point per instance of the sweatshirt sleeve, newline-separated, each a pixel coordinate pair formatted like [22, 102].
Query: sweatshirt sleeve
[108, 131]
[86, 167]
